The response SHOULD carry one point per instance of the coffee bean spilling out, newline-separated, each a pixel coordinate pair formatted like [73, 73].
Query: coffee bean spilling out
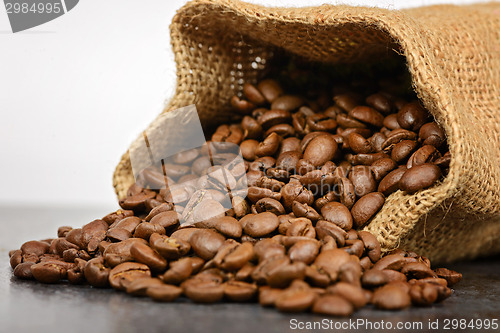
[317, 170]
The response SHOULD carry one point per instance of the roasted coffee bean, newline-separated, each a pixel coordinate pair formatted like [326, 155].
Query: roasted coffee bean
[96, 273]
[367, 115]
[347, 102]
[269, 205]
[366, 207]
[295, 300]
[146, 229]
[267, 248]
[203, 291]
[304, 251]
[179, 271]
[140, 286]
[118, 253]
[450, 276]
[239, 291]
[412, 116]
[321, 122]
[121, 276]
[425, 154]
[16, 258]
[419, 177]
[372, 246]
[417, 270]
[325, 228]
[232, 255]
[402, 150]
[320, 150]
[144, 254]
[337, 213]
[347, 192]
[23, 271]
[35, 248]
[270, 89]
[391, 297]
[390, 183]
[381, 102]
[287, 103]
[363, 180]
[301, 227]
[117, 215]
[261, 224]
[205, 243]
[351, 293]
[294, 191]
[304, 210]
[333, 305]
[382, 167]
[432, 134]
[251, 128]
[48, 272]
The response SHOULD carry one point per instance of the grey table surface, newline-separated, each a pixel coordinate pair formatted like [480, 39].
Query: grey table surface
[27, 306]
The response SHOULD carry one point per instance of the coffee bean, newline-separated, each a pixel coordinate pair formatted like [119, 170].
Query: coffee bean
[269, 205]
[203, 291]
[381, 102]
[366, 207]
[118, 253]
[267, 248]
[205, 243]
[121, 276]
[333, 305]
[432, 134]
[287, 103]
[425, 154]
[450, 276]
[363, 180]
[140, 286]
[382, 167]
[337, 213]
[390, 183]
[367, 115]
[295, 300]
[48, 272]
[304, 251]
[419, 177]
[261, 224]
[349, 292]
[320, 150]
[412, 116]
[239, 291]
[372, 246]
[270, 89]
[23, 271]
[391, 297]
[144, 254]
[96, 273]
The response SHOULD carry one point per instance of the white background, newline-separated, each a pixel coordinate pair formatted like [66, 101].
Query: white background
[76, 91]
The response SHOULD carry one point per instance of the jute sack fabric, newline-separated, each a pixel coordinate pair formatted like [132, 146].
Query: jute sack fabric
[453, 56]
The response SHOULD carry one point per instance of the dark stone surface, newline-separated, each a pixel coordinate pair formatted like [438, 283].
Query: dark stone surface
[27, 306]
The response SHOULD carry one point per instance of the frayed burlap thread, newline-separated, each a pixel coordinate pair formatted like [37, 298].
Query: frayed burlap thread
[453, 56]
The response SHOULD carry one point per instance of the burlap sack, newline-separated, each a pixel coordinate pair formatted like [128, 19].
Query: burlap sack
[453, 56]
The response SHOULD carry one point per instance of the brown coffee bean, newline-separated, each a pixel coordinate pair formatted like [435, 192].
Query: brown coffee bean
[333, 305]
[233, 255]
[23, 271]
[121, 276]
[362, 179]
[295, 300]
[337, 213]
[423, 294]
[270, 89]
[118, 253]
[331, 261]
[140, 286]
[325, 229]
[382, 167]
[381, 102]
[390, 183]
[251, 128]
[146, 229]
[179, 271]
[164, 292]
[304, 251]
[417, 270]
[347, 192]
[320, 122]
[304, 210]
[391, 261]
[203, 291]
[372, 245]
[391, 121]
[267, 248]
[402, 150]
[412, 116]
[346, 102]
[248, 148]
[144, 254]
[373, 278]
[320, 150]
[16, 258]
[35, 248]
[301, 227]
[366, 207]
[359, 144]
[239, 291]
[367, 115]
[273, 118]
[287, 103]
[96, 273]
[48, 272]
[419, 177]
[205, 243]
[166, 219]
[253, 94]
[269, 205]
[261, 224]
[294, 191]
[425, 154]
[397, 136]
[349, 292]
[450, 276]
[432, 134]
[391, 297]
[63, 231]
[241, 105]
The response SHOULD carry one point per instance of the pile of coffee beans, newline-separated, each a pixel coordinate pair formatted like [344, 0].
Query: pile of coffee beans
[281, 225]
